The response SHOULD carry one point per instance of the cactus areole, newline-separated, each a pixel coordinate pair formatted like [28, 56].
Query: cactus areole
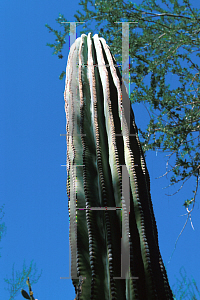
[99, 146]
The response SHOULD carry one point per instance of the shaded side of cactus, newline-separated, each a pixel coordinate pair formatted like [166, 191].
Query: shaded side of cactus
[95, 155]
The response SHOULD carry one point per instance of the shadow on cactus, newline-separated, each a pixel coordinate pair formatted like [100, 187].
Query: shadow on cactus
[113, 233]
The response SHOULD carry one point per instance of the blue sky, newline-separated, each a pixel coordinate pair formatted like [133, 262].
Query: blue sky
[33, 182]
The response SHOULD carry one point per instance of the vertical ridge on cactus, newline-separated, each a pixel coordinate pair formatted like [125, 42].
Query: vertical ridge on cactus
[95, 118]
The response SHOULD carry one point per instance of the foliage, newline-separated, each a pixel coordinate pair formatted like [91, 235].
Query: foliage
[18, 279]
[185, 289]
[3, 228]
[164, 67]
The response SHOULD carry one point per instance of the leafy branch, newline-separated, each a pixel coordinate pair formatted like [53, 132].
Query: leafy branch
[18, 279]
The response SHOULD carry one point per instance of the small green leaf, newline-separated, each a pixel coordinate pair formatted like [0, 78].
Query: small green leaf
[62, 75]
[187, 203]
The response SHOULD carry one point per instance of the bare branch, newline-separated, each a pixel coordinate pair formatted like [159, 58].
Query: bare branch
[188, 216]
[160, 15]
[178, 239]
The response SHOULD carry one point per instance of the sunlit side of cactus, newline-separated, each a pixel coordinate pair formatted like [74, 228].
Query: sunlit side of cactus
[95, 114]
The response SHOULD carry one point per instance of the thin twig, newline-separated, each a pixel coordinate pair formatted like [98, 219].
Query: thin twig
[188, 215]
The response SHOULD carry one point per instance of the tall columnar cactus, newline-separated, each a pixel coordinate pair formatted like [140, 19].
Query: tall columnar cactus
[96, 153]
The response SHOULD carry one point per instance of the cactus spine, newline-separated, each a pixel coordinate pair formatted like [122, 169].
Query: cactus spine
[95, 153]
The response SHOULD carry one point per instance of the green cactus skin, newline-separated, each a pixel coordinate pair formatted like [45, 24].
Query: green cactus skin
[94, 114]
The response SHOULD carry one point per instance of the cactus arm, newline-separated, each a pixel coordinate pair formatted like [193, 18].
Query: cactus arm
[91, 236]
[96, 232]
[156, 278]
[105, 165]
[93, 101]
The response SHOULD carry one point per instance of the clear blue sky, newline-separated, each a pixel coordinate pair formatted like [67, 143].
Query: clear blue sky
[33, 182]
